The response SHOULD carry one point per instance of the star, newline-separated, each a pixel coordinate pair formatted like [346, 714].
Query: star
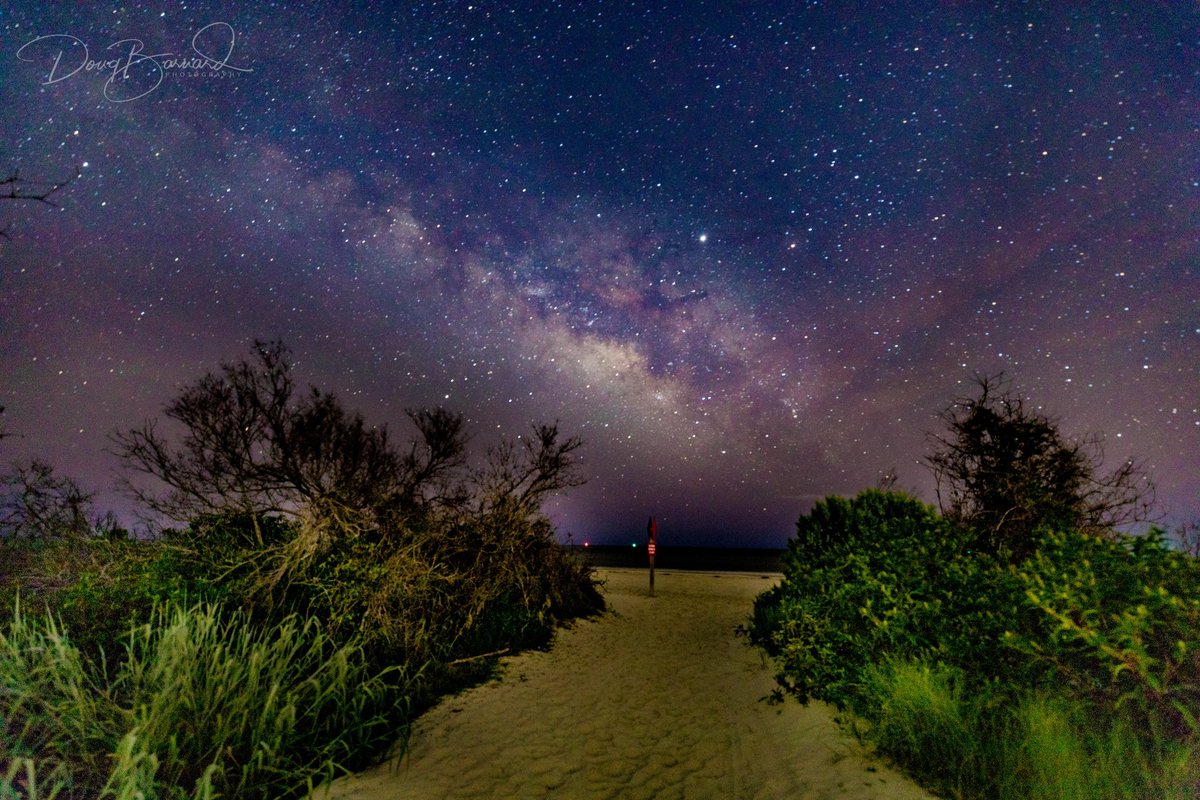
[508, 214]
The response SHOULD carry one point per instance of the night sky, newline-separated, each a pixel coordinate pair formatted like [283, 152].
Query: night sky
[746, 251]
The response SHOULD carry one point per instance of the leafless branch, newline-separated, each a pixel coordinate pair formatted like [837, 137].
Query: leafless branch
[14, 187]
[1005, 469]
[525, 475]
[38, 504]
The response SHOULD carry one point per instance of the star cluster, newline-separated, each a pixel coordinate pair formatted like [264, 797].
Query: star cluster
[747, 253]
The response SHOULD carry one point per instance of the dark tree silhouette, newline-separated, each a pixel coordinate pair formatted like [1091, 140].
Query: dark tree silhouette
[37, 504]
[431, 468]
[1187, 537]
[275, 481]
[522, 477]
[1005, 470]
[14, 187]
[252, 444]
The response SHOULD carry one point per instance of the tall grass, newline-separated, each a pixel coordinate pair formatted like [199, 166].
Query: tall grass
[923, 722]
[1027, 747]
[1072, 673]
[203, 704]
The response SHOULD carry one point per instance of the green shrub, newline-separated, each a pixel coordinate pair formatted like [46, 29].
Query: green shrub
[294, 508]
[883, 575]
[490, 582]
[422, 601]
[1079, 661]
[98, 586]
[1126, 626]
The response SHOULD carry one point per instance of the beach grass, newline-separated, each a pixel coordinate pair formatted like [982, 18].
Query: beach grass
[113, 682]
[1032, 747]
[323, 585]
[201, 704]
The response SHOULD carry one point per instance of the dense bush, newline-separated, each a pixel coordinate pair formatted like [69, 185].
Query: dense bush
[1106, 631]
[395, 621]
[1126, 626]
[296, 505]
[399, 620]
[420, 596]
[325, 554]
[882, 573]
[97, 588]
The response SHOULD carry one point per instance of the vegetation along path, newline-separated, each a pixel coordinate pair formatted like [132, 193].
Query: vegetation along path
[659, 698]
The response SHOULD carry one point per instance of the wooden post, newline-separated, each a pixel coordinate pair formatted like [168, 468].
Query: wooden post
[651, 547]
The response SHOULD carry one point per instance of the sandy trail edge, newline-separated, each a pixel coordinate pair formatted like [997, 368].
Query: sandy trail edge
[656, 699]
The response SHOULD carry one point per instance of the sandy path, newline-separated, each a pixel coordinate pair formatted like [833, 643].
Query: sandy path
[659, 699]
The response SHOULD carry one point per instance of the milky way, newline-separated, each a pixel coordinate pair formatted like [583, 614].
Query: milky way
[746, 254]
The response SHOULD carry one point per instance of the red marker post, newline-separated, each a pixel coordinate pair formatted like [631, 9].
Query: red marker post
[651, 546]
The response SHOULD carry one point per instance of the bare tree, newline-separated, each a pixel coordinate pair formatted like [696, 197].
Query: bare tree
[252, 444]
[1004, 469]
[1187, 537]
[432, 466]
[522, 476]
[38, 505]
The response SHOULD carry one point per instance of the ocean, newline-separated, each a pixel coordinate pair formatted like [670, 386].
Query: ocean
[705, 559]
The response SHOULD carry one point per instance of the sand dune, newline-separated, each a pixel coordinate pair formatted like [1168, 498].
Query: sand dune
[657, 699]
